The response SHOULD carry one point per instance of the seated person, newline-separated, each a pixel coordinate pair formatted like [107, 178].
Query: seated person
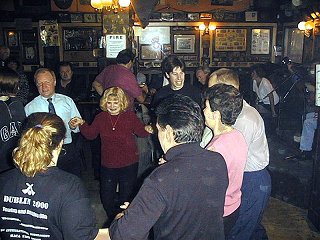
[203, 74]
[48, 201]
[309, 126]
[267, 97]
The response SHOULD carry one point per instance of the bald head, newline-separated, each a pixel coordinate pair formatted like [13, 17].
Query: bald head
[225, 76]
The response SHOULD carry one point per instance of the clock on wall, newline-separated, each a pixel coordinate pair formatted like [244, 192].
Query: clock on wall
[63, 4]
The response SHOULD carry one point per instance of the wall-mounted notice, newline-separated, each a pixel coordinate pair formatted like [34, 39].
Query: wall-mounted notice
[260, 42]
[114, 44]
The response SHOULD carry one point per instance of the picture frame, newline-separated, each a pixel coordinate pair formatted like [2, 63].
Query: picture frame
[166, 50]
[30, 54]
[294, 39]
[230, 39]
[148, 52]
[184, 43]
[89, 17]
[76, 17]
[260, 41]
[99, 17]
[12, 39]
[193, 16]
[64, 18]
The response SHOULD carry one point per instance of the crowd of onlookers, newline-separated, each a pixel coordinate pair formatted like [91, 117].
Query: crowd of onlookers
[200, 151]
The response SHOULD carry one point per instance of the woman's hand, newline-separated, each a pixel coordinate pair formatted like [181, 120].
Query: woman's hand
[124, 206]
[149, 129]
[161, 161]
[76, 122]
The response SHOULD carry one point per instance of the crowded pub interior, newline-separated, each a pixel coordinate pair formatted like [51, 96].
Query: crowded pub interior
[159, 119]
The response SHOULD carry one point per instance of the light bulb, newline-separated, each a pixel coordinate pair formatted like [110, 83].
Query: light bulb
[212, 27]
[202, 27]
[124, 3]
[302, 25]
[96, 4]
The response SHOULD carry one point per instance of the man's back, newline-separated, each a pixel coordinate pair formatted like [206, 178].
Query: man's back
[120, 76]
[182, 199]
[251, 125]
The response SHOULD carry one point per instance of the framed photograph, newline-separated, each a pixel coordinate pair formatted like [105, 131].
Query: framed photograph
[193, 16]
[294, 39]
[251, 16]
[148, 52]
[89, 17]
[167, 16]
[12, 38]
[64, 17]
[99, 17]
[76, 17]
[184, 43]
[260, 41]
[204, 16]
[30, 54]
[230, 39]
[166, 50]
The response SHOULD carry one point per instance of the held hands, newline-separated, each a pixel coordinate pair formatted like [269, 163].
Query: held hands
[76, 122]
[149, 129]
[161, 161]
[124, 207]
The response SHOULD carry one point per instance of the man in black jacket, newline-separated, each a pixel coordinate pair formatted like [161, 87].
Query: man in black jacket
[184, 197]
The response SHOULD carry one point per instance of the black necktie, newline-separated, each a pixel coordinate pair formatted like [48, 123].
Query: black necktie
[51, 107]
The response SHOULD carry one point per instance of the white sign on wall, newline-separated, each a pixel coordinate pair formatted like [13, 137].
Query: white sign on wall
[114, 44]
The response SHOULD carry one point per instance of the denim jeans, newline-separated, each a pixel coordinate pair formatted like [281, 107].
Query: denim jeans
[256, 190]
[309, 127]
[126, 177]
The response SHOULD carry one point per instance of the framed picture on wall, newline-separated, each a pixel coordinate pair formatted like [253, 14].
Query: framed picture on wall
[76, 17]
[260, 41]
[148, 52]
[184, 43]
[89, 17]
[30, 54]
[230, 39]
[294, 39]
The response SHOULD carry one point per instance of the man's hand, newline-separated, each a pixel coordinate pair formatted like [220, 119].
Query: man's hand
[75, 122]
[98, 87]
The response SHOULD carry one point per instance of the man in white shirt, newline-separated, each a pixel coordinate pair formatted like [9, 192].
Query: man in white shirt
[65, 108]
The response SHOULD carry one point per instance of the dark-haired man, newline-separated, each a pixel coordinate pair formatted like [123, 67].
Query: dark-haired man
[173, 68]
[120, 75]
[184, 197]
[68, 85]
